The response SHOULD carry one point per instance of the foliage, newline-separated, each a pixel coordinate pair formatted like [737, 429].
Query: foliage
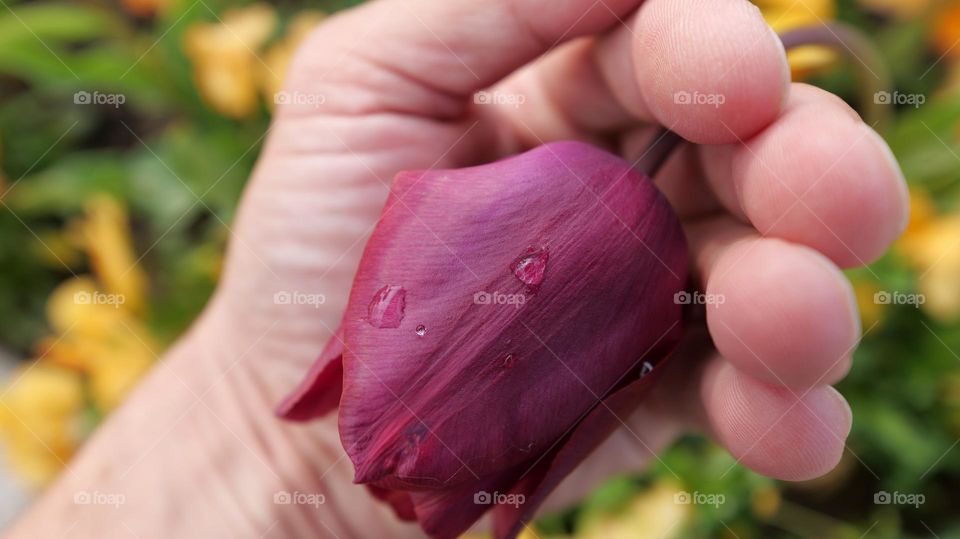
[153, 182]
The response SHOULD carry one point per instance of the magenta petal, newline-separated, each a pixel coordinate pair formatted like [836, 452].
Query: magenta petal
[510, 520]
[399, 501]
[319, 393]
[494, 308]
[448, 513]
[422, 408]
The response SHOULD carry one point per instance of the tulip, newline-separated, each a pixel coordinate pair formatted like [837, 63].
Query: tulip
[504, 318]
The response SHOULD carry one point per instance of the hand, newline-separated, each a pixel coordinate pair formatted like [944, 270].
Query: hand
[787, 187]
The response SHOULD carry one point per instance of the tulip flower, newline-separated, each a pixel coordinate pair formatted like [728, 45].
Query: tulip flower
[503, 320]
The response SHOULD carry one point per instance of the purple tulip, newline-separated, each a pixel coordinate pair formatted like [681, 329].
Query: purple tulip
[503, 318]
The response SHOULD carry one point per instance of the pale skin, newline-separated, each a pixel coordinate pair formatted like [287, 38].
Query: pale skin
[787, 187]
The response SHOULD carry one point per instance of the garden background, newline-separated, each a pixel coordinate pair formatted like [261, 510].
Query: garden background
[128, 129]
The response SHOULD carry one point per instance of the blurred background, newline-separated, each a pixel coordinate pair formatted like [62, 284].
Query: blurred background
[128, 129]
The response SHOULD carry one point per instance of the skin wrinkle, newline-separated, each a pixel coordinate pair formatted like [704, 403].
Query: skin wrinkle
[799, 176]
[309, 150]
[445, 105]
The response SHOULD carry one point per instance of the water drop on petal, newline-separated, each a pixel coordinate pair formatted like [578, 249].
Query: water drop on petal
[386, 308]
[645, 369]
[508, 361]
[531, 266]
[421, 330]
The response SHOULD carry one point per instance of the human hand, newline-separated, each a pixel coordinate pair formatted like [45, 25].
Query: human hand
[787, 186]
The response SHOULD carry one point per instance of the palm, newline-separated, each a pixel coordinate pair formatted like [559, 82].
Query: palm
[323, 178]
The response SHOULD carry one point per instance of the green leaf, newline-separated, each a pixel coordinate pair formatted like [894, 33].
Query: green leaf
[64, 186]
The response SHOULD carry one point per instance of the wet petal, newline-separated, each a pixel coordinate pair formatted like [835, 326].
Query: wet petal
[500, 318]
[319, 393]
[469, 247]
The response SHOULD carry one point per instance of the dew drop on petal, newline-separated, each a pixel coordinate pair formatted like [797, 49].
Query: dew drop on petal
[421, 330]
[645, 368]
[386, 308]
[508, 361]
[531, 266]
[414, 439]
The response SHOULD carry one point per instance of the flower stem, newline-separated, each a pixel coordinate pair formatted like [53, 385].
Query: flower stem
[656, 154]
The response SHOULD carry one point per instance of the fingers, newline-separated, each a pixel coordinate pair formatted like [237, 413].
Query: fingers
[789, 434]
[712, 71]
[568, 94]
[818, 176]
[428, 55]
[773, 430]
[779, 312]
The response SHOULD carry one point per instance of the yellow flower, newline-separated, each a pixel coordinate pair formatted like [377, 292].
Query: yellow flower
[40, 419]
[766, 501]
[871, 311]
[784, 15]
[651, 514]
[104, 233]
[225, 57]
[98, 337]
[97, 352]
[946, 31]
[931, 245]
[922, 212]
[278, 57]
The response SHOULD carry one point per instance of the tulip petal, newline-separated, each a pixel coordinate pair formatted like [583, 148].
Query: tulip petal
[399, 500]
[319, 393]
[510, 520]
[502, 318]
[519, 492]
[447, 513]
[512, 355]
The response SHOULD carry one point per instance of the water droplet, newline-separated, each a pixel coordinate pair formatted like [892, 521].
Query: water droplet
[531, 266]
[417, 433]
[386, 308]
[421, 330]
[508, 361]
[645, 368]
